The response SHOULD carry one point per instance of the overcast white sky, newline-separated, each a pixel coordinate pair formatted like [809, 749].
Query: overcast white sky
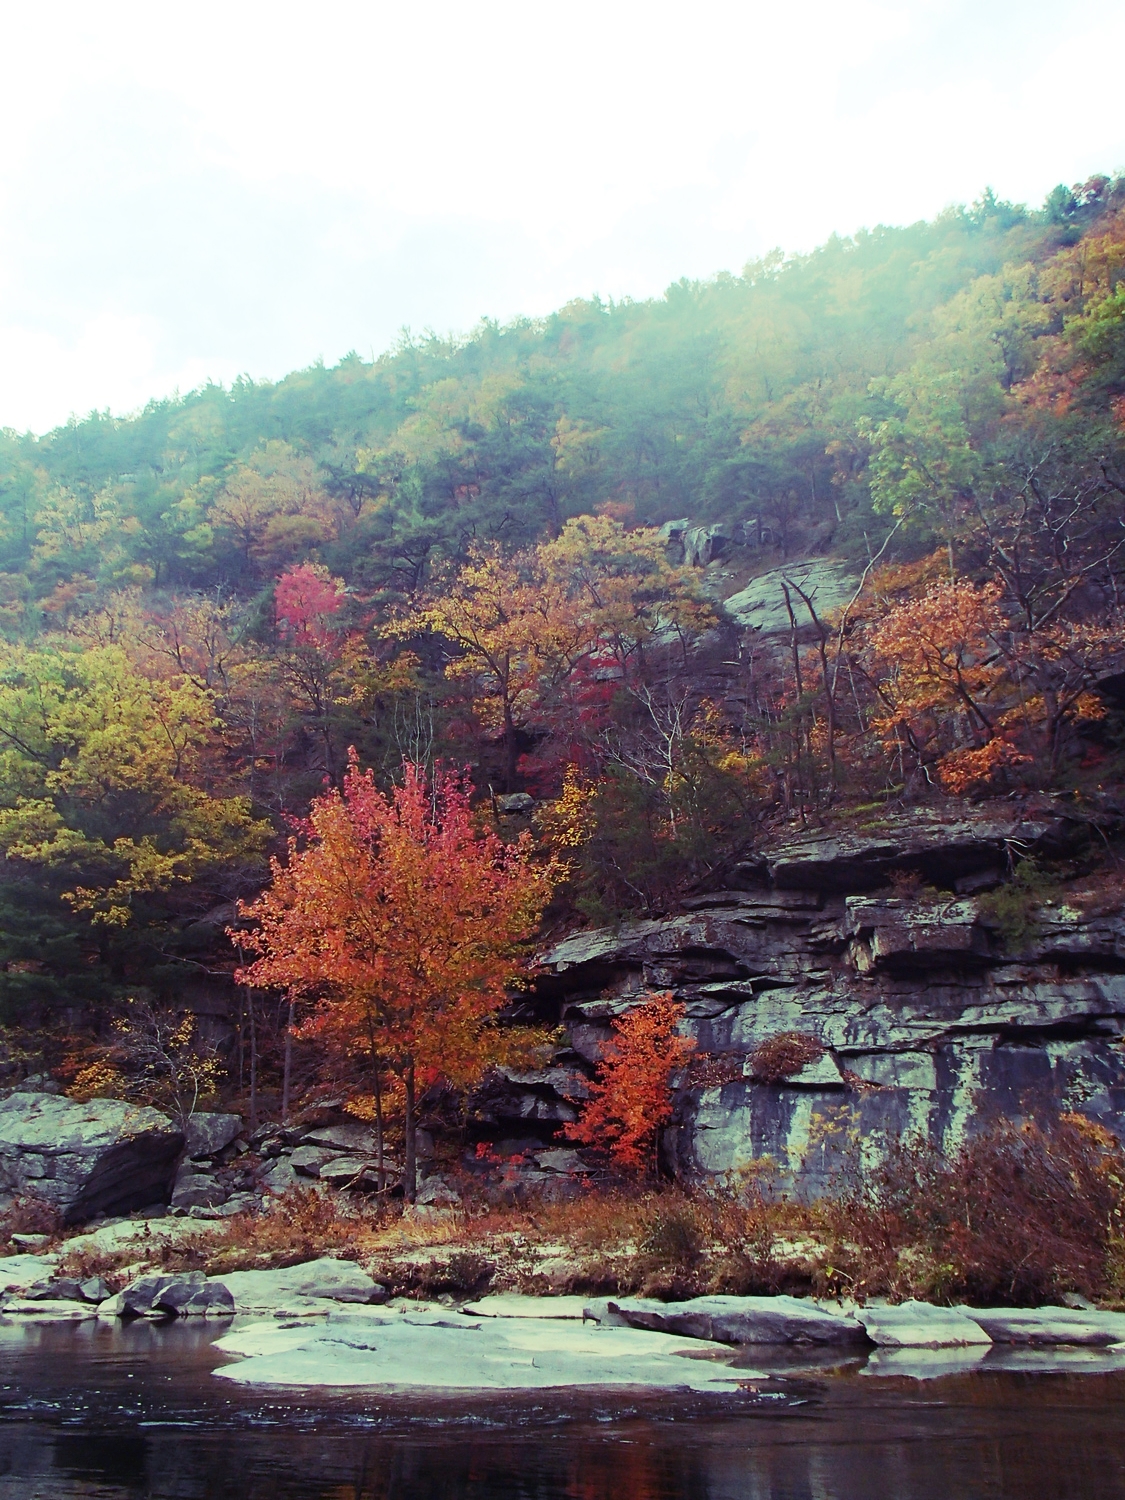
[194, 192]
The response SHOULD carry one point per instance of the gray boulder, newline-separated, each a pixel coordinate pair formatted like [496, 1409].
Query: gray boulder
[208, 1134]
[143, 1294]
[185, 1299]
[176, 1295]
[705, 544]
[105, 1156]
[738, 1320]
[198, 1190]
[68, 1289]
[512, 803]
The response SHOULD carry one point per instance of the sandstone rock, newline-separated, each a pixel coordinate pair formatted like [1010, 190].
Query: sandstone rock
[341, 1138]
[335, 1280]
[517, 1305]
[1050, 1325]
[437, 1192]
[208, 1134]
[740, 1320]
[913, 935]
[563, 1159]
[344, 1171]
[105, 1156]
[279, 1179]
[308, 1160]
[941, 845]
[18, 1272]
[932, 1028]
[29, 1242]
[918, 1325]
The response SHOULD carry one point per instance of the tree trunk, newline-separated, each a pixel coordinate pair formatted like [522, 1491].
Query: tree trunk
[288, 1068]
[253, 1063]
[509, 749]
[380, 1171]
[409, 1172]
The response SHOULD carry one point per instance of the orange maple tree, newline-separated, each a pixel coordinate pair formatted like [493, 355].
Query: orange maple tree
[406, 927]
[631, 1096]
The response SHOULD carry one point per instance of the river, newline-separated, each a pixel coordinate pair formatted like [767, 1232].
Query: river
[121, 1412]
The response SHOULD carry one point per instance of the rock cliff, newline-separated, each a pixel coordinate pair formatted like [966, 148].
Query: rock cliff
[935, 1017]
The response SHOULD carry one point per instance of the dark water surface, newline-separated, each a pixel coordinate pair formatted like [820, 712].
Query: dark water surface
[120, 1413]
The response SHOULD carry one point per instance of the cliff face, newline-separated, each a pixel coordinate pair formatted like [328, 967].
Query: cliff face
[934, 1020]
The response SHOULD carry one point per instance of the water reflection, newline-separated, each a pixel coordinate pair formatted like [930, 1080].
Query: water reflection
[104, 1413]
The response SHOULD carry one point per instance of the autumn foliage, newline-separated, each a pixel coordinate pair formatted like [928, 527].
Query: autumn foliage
[405, 927]
[631, 1097]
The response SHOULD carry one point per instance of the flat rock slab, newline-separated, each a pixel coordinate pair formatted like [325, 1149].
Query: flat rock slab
[336, 1280]
[514, 1305]
[357, 1138]
[48, 1312]
[918, 1325]
[18, 1272]
[143, 1234]
[493, 1355]
[739, 1320]
[1050, 1325]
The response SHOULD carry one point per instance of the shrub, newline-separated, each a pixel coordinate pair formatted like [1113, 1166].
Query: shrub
[29, 1214]
[1021, 1215]
[464, 1275]
[1013, 908]
[783, 1055]
[632, 1097]
[300, 1226]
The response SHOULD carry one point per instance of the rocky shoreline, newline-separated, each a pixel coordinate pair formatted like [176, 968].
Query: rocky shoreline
[326, 1323]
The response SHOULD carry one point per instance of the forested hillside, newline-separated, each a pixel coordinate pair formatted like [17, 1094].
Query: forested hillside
[450, 552]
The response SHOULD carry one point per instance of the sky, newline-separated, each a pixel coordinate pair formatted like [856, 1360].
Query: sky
[194, 193]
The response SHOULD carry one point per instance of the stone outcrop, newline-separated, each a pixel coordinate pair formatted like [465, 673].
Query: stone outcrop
[106, 1156]
[934, 1022]
[761, 607]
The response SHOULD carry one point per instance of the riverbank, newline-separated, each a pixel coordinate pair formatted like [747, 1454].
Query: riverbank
[328, 1322]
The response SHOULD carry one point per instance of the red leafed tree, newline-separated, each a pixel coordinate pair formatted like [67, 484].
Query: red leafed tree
[632, 1096]
[405, 927]
[305, 599]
